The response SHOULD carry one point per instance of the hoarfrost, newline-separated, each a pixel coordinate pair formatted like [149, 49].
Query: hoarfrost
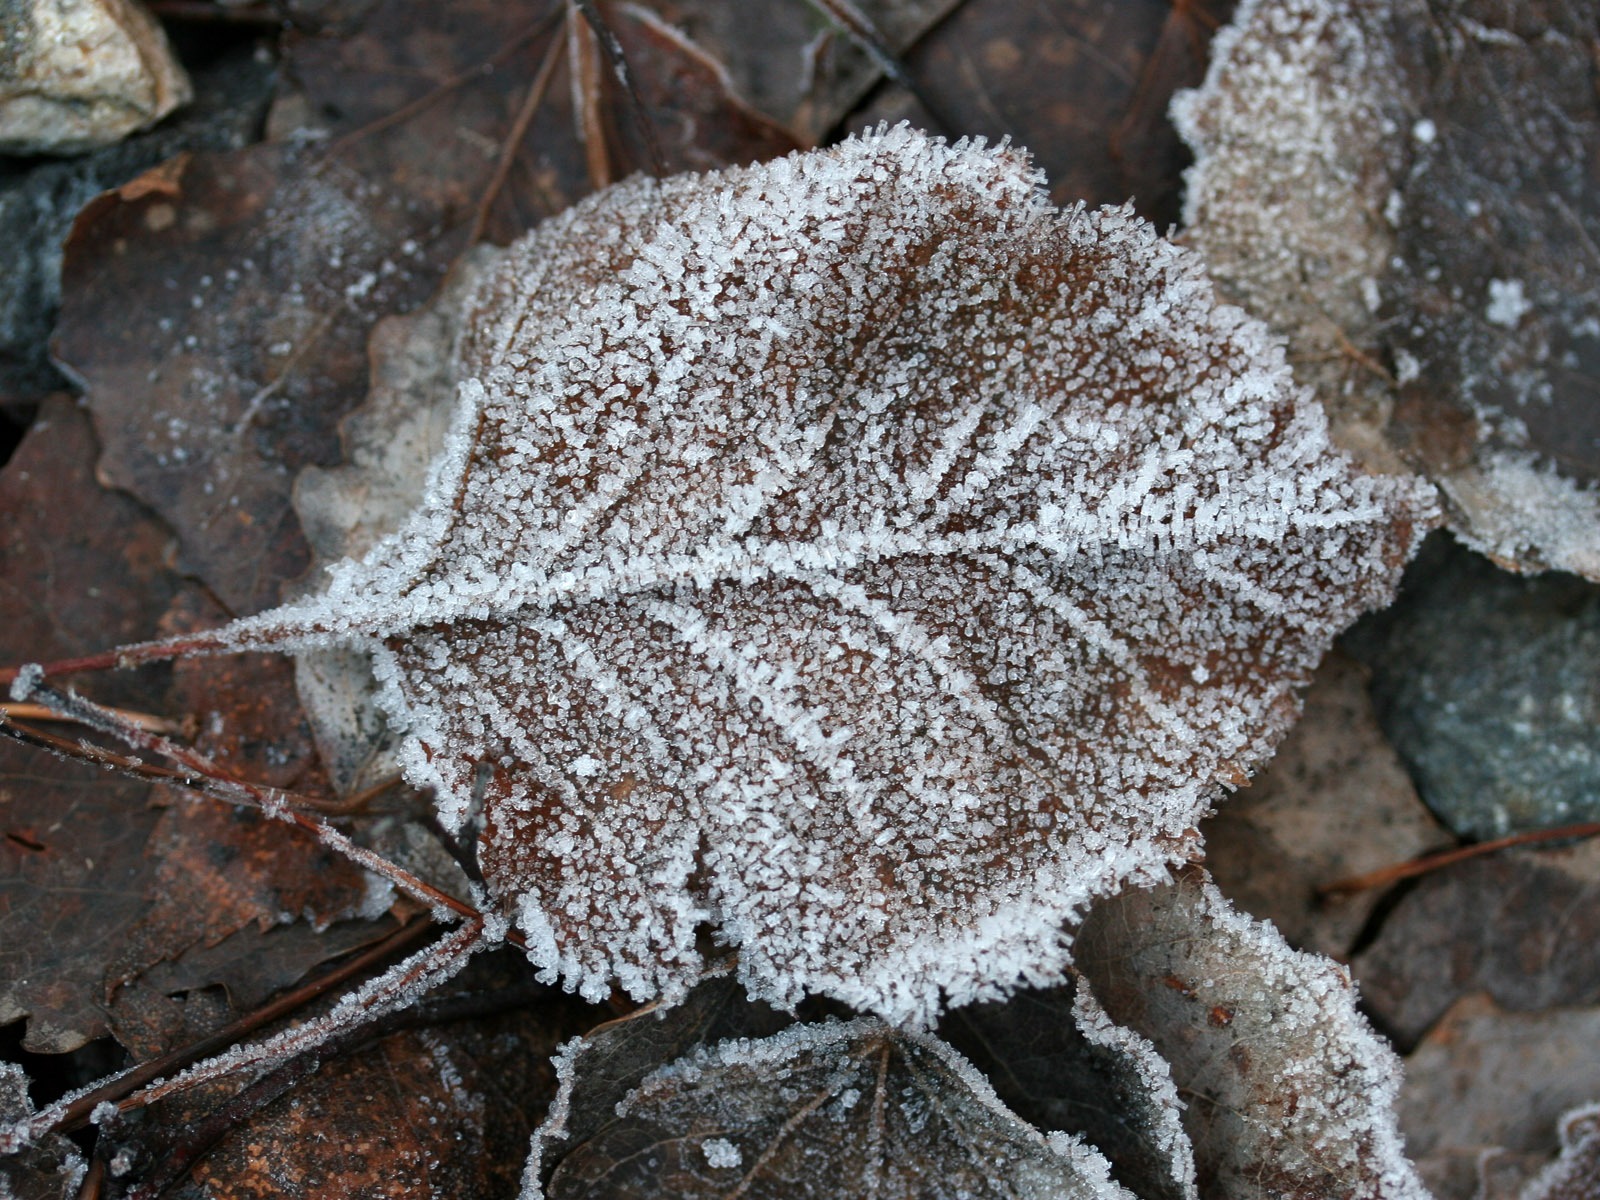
[721, 1153]
[920, 1120]
[831, 550]
[1291, 1093]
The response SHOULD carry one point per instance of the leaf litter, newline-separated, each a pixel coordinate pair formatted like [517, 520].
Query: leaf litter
[719, 1151]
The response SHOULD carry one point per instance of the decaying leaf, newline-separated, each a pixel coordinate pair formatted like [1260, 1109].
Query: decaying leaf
[1082, 83]
[1406, 189]
[1537, 947]
[1058, 1061]
[1334, 802]
[836, 1109]
[859, 555]
[1289, 1092]
[1484, 1092]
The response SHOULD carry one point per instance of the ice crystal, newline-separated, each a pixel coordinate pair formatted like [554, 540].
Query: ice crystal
[857, 555]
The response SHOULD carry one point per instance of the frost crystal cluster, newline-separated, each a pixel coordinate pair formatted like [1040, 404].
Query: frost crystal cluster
[857, 556]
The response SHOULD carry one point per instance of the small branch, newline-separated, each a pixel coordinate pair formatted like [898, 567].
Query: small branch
[611, 50]
[118, 1089]
[858, 27]
[1394, 873]
[407, 111]
[39, 712]
[513, 140]
[200, 773]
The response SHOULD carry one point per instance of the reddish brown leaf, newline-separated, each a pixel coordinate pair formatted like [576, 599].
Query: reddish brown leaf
[1085, 602]
[76, 564]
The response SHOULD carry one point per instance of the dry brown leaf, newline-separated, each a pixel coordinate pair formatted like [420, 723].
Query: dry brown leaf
[1083, 84]
[1335, 801]
[1523, 926]
[965, 507]
[1484, 1091]
[1059, 1062]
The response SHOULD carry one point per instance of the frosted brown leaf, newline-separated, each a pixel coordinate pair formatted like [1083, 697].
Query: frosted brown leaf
[858, 557]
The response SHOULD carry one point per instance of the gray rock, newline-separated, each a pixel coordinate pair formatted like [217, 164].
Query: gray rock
[1488, 684]
[76, 75]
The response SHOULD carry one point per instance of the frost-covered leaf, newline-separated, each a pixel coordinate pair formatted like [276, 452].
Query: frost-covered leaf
[857, 554]
[1576, 1174]
[831, 1110]
[1058, 1061]
[1289, 1092]
[1407, 190]
[50, 1170]
[599, 1071]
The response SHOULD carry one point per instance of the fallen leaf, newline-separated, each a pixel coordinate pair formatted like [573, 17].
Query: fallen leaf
[77, 565]
[1576, 1174]
[97, 887]
[1488, 1086]
[599, 1072]
[443, 1110]
[40, 197]
[1057, 1061]
[964, 484]
[1083, 84]
[1288, 1091]
[836, 1109]
[1520, 925]
[51, 1170]
[795, 63]
[1406, 190]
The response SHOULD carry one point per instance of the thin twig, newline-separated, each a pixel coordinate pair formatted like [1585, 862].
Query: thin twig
[407, 111]
[858, 27]
[119, 1088]
[206, 776]
[611, 49]
[1395, 872]
[39, 712]
[513, 139]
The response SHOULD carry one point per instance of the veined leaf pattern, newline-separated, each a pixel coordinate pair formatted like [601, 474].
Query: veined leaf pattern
[856, 555]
